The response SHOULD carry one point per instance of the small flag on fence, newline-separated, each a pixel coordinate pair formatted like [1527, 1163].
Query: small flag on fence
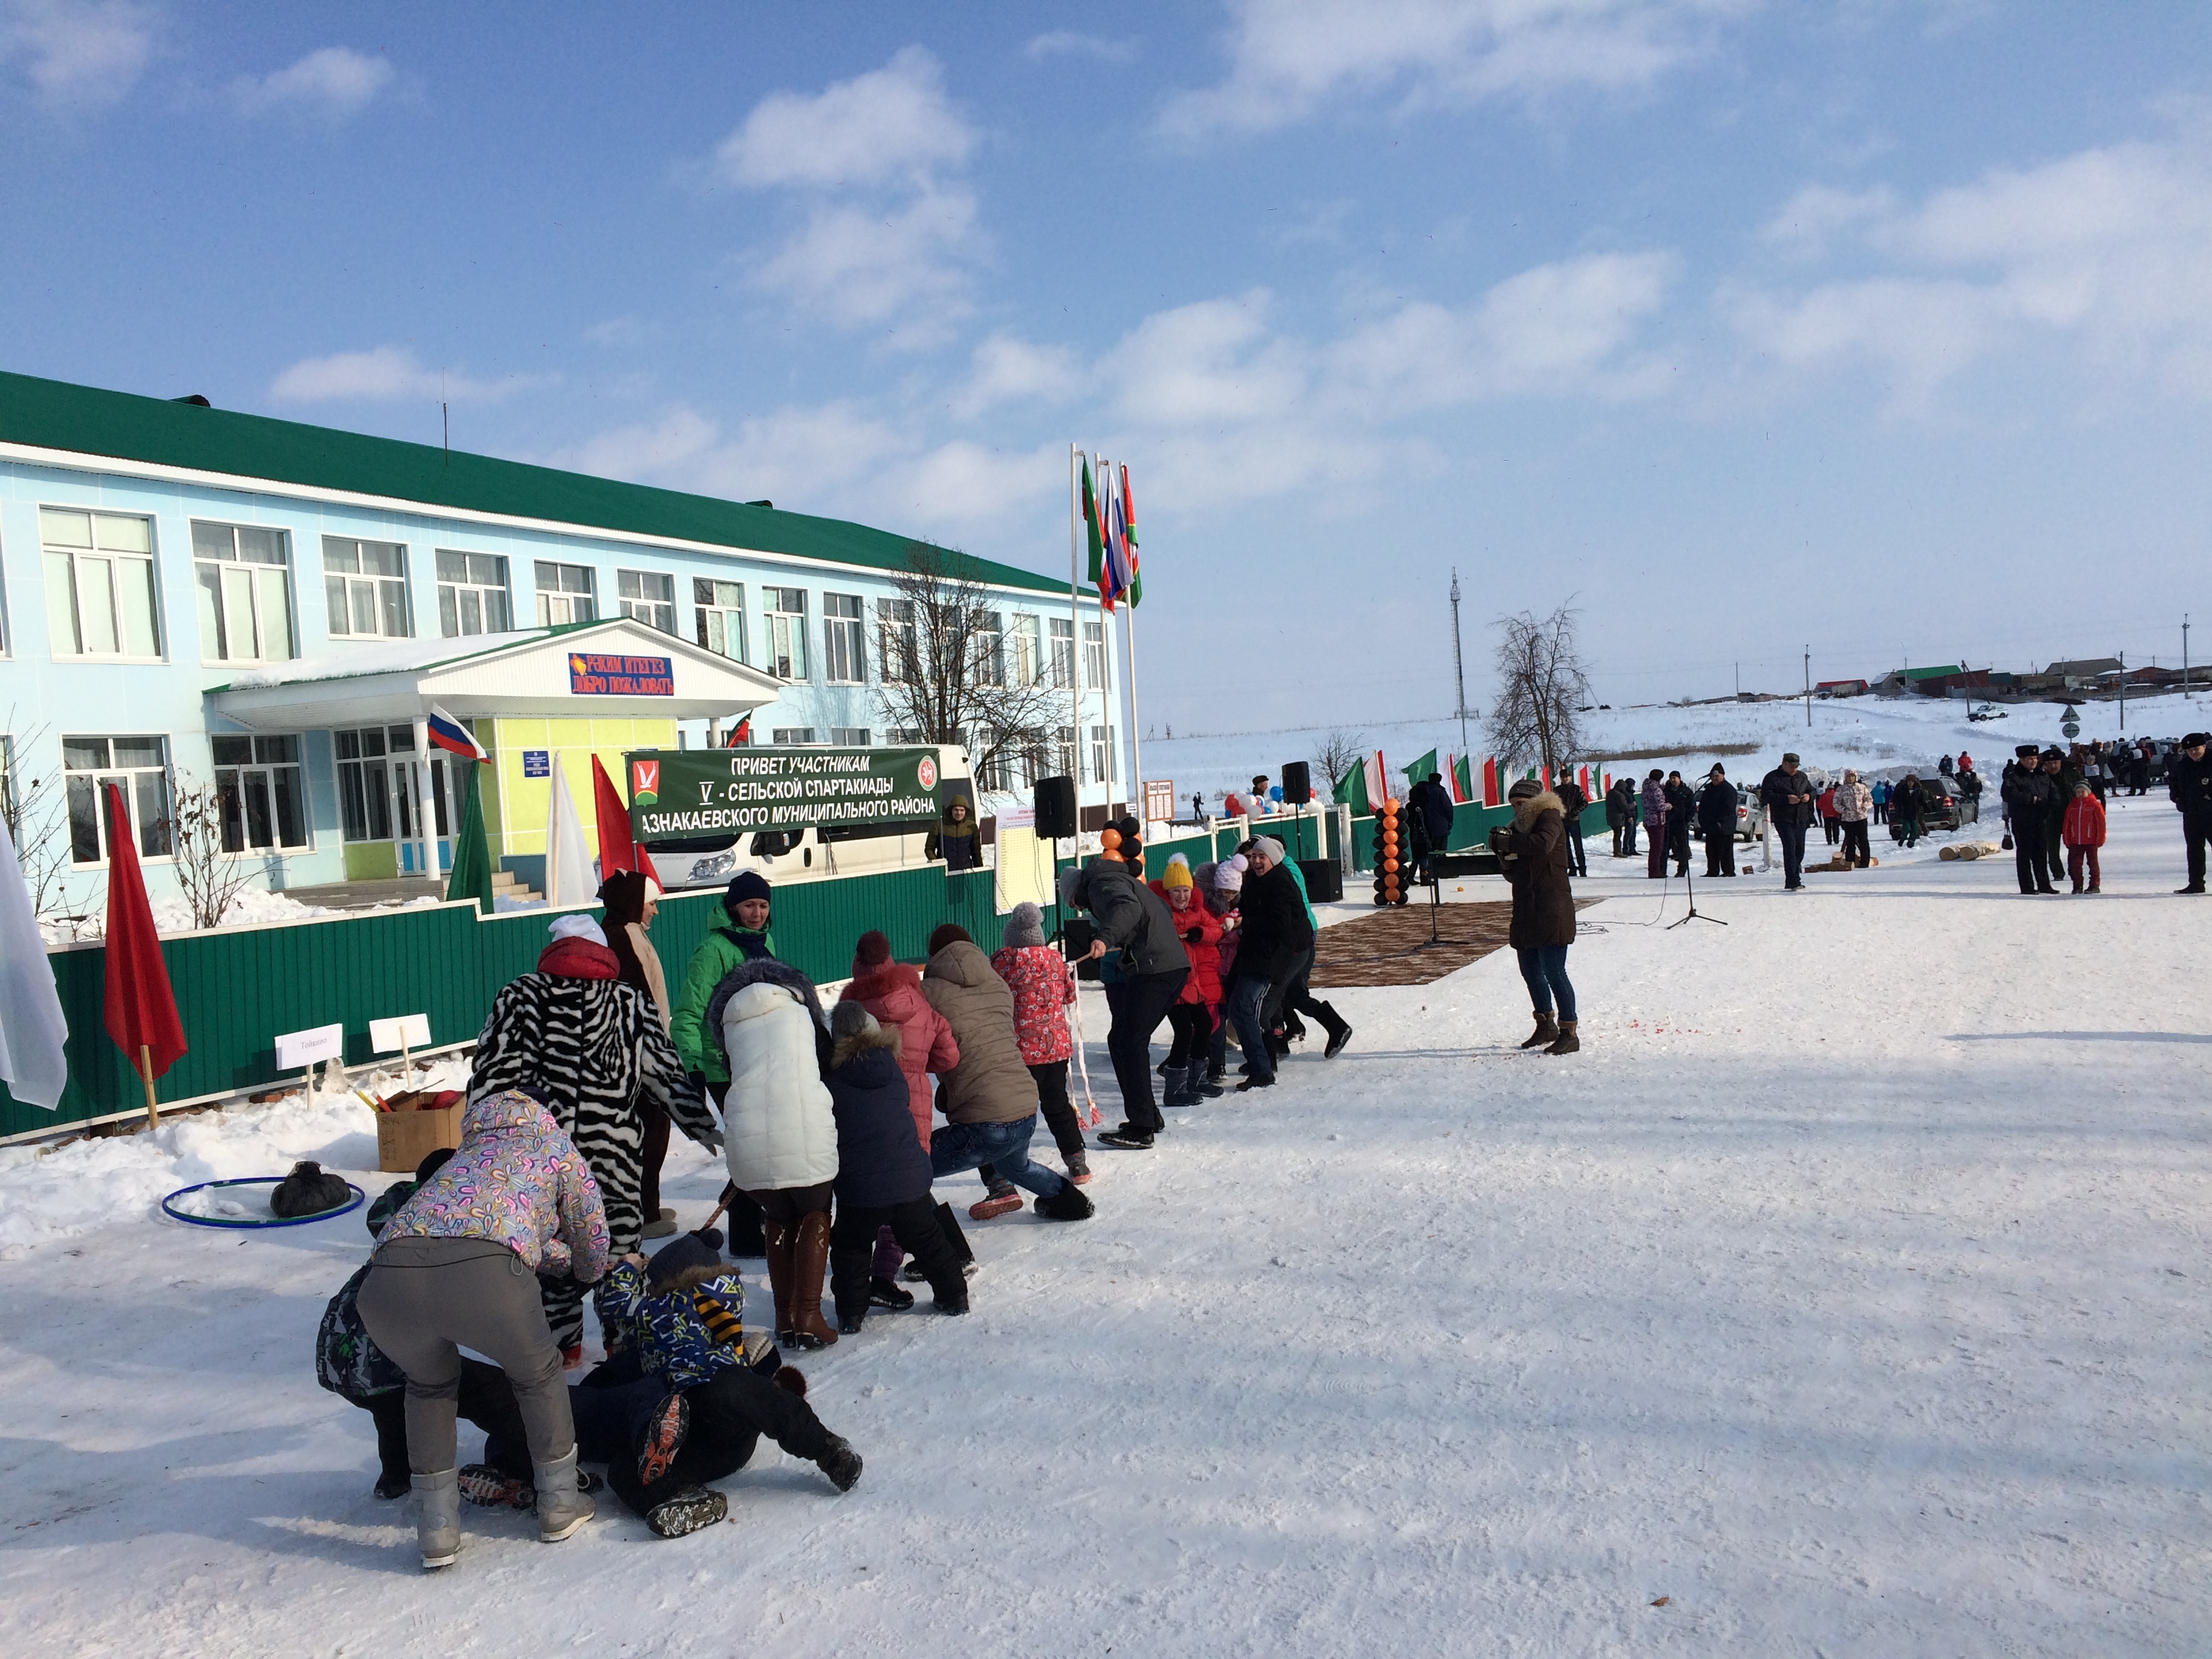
[1490, 795]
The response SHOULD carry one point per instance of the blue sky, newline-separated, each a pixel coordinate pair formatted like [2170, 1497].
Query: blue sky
[1882, 327]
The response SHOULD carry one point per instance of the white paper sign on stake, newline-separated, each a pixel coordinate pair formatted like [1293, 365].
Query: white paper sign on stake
[401, 1032]
[306, 1047]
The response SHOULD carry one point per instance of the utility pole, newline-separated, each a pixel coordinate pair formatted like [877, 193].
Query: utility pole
[1808, 688]
[1459, 662]
[1739, 680]
[2124, 691]
[2185, 654]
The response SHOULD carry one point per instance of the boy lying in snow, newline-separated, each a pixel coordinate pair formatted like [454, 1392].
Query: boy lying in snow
[675, 1323]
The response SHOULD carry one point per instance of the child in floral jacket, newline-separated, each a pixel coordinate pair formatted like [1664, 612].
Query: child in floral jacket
[1043, 988]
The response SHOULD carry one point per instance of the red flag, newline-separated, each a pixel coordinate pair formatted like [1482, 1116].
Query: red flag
[141, 1010]
[617, 850]
[1490, 781]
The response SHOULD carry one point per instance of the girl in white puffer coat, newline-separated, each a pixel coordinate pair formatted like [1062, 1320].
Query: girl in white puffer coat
[780, 1132]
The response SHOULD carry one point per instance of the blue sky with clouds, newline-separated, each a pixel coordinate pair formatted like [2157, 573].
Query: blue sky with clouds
[1882, 326]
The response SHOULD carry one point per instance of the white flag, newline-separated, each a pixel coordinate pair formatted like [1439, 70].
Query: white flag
[32, 1029]
[568, 878]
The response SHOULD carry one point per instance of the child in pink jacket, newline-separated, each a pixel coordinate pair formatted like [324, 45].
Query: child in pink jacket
[1044, 986]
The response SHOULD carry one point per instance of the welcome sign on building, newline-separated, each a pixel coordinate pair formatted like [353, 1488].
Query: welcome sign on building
[680, 794]
[607, 674]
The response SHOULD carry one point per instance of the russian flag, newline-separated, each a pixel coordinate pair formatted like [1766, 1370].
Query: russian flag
[455, 739]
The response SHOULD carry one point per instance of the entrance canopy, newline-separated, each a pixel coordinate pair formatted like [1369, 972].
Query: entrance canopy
[619, 668]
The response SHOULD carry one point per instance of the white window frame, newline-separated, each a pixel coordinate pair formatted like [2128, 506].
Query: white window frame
[897, 641]
[844, 643]
[656, 612]
[215, 605]
[1094, 656]
[715, 611]
[452, 591]
[1105, 764]
[1063, 654]
[556, 606]
[852, 736]
[792, 736]
[783, 649]
[991, 657]
[1066, 756]
[69, 582]
[381, 586]
[1028, 638]
[155, 841]
[261, 769]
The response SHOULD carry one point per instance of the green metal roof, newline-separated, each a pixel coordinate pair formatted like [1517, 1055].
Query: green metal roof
[1929, 673]
[55, 414]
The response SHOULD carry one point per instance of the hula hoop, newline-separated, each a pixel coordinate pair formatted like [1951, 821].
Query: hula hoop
[242, 1224]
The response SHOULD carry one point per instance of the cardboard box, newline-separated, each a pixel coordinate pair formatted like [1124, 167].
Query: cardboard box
[405, 1138]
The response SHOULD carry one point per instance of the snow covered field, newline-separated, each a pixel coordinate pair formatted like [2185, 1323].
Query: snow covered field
[1848, 1291]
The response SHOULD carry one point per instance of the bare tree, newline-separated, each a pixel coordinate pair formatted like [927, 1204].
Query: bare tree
[1542, 684]
[207, 873]
[1338, 753]
[38, 822]
[950, 674]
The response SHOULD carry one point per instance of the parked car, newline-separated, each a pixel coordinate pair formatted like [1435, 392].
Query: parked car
[1750, 812]
[1944, 806]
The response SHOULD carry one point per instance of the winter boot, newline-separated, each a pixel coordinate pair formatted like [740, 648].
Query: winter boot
[438, 1516]
[841, 1464]
[1127, 1138]
[781, 1240]
[1252, 1083]
[1068, 1204]
[812, 1257]
[1203, 1084]
[687, 1511]
[563, 1507]
[1001, 1199]
[663, 1439]
[1078, 1168]
[1179, 1092]
[886, 1293]
[1568, 1042]
[1339, 1032]
[491, 1488]
[1546, 1031]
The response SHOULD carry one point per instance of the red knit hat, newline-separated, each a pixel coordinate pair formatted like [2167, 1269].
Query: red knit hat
[872, 952]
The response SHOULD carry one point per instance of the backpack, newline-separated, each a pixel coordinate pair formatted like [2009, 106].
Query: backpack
[308, 1190]
[347, 1362]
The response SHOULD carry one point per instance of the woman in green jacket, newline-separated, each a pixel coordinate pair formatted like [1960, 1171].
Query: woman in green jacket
[742, 936]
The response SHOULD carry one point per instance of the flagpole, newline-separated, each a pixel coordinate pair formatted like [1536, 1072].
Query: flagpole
[1075, 632]
[146, 1073]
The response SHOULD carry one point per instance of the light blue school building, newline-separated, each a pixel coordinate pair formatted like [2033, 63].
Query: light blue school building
[192, 599]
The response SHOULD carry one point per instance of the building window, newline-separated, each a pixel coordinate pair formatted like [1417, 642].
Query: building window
[365, 584]
[990, 649]
[472, 594]
[1063, 761]
[899, 646]
[783, 735]
[995, 775]
[99, 583]
[649, 597]
[377, 783]
[257, 780]
[1094, 655]
[844, 657]
[787, 632]
[1105, 767]
[244, 581]
[1063, 655]
[904, 735]
[140, 766]
[849, 737]
[565, 594]
[721, 616]
[1029, 650]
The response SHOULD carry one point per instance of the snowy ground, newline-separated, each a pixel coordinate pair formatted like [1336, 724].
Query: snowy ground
[1861, 731]
[1848, 1291]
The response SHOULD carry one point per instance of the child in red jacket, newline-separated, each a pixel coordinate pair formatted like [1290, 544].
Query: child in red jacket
[1043, 985]
[1198, 1010]
[2082, 830]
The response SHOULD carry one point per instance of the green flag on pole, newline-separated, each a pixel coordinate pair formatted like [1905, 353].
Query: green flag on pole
[470, 878]
[1091, 527]
[1352, 791]
[1419, 770]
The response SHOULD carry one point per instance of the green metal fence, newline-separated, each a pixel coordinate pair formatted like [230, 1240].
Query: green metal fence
[237, 988]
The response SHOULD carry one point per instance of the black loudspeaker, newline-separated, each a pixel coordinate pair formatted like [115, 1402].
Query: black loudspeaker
[1298, 783]
[1055, 808]
[1324, 879]
[1079, 932]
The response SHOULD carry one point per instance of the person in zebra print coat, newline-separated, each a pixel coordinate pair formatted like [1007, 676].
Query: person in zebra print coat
[592, 1050]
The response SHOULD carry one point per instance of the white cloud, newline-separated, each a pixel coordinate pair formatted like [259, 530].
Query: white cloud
[333, 83]
[1009, 370]
[1065, 43]
[78, 53]
[1812, 219]
[2108, 252]
[385, 374]
[891, 124]
[886, 240]
[1289, 58]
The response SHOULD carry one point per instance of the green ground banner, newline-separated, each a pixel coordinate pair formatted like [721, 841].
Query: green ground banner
[681, 794]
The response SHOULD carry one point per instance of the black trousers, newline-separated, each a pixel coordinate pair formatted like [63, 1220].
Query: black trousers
[742, 1219]
[916, 1226]
[729, 1415]
[1678, 845]
[1720, 851]
[2196, 829]
[1139, 1003]
[2031, 853]
[1288, 994]
[1192, 1026]
[1577, 856]
[1793, 853]
[1057, 1110]
[1855, 842]
[487, 1401]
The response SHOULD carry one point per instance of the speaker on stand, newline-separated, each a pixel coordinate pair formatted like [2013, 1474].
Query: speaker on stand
[1297, 790]
[1057, 820]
